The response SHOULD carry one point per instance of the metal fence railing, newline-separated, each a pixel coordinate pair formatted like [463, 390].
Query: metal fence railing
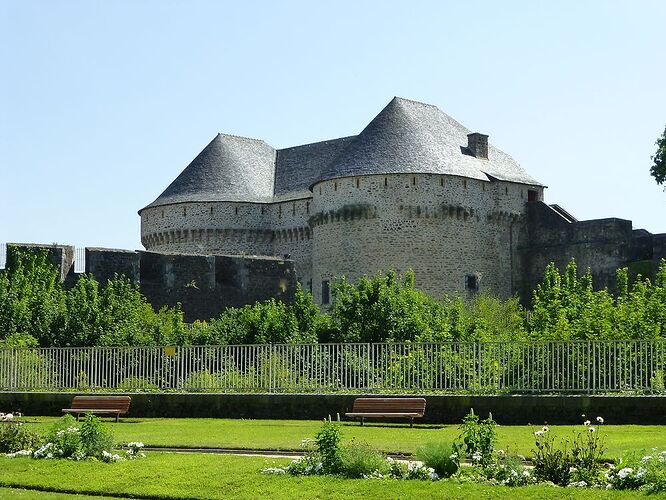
[637, 366]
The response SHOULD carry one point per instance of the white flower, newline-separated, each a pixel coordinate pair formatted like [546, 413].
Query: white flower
[274, 470]
[646, 458]
[587, 422]
[600, 420]
[591, 429]
[623, 473]
[476, 457]
[545, 428]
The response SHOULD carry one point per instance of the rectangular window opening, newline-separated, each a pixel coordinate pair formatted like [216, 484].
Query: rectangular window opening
[325, 292]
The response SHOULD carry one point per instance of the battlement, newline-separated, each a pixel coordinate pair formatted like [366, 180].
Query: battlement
[204, 285]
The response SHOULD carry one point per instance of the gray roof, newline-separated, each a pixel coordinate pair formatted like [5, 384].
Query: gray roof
[405, 137]
[230, 168]
[299, 167]
[413, 137]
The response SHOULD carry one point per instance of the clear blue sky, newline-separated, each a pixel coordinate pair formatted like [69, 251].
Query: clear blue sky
[103, 103]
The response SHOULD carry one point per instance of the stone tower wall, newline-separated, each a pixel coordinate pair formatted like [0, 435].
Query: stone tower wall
[443, 227]
[227, 228]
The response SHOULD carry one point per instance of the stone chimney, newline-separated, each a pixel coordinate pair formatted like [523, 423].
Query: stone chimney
[478, 145]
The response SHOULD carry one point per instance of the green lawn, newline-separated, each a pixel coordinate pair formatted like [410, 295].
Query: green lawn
[199, 476]
[288, 434]
[43, 495]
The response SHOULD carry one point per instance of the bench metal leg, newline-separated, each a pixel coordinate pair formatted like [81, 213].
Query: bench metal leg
[362, 420]
[117, 417]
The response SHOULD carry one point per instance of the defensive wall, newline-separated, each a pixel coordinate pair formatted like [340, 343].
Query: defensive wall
[603, 245]
[203, 284]
[440, 409]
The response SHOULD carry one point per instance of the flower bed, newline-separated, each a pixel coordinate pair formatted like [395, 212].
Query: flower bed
[575, 462]
[90, 440]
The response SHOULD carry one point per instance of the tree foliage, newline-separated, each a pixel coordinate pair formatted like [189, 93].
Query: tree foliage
[36, 309]
[658, 169]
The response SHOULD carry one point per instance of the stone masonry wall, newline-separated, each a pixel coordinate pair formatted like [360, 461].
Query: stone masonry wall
[203, 284]
[602, 245]
[443, 227]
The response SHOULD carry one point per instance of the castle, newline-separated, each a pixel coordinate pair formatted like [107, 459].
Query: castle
[414, 189]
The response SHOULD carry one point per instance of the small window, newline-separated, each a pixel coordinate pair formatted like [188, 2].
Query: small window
[532, 195]
[236, 210]
[211, 210]
[325, 292]
[163, 214]
[472, 283]
[413, 181]
[263, 209]
[441, 181]
[358, 183]
[385, 181]
[335, 186]
[506, 190]
[293, 209]
[465, 183]
[307, 207]
[184, 210]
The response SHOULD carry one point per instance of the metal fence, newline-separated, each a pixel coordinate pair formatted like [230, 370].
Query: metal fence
[472, 368]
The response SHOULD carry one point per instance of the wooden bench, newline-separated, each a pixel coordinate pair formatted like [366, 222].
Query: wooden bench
[100, 405]
[410, 408]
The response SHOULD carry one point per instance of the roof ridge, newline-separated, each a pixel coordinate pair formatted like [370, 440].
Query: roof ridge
[254, 139]
[415, 101]
[317, 143]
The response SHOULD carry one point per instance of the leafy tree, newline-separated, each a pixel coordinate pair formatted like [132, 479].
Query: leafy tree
[386, 308]
[32, 299]
[658, 169]
[84, 314]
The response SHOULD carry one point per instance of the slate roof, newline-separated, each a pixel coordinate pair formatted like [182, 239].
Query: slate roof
[414, 137]
[230, 168]
[299, 167]
[405, 137]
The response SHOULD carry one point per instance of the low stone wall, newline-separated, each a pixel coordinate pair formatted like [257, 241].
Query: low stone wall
[440, 409]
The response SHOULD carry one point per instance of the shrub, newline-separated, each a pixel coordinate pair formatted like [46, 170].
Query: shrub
[647, 473]
[479, 438]
[444, 458]
[587, 449]
[95, 438]
[15, 436]
[358, 460]
[328, 446]
[550, 463]
[509, 470]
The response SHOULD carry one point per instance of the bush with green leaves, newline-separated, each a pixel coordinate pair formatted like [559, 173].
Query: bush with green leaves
[328, 446]
[444, 458]
[359, 460]
[551, 463]
[478, 438]
[15, 435]
[587, 450]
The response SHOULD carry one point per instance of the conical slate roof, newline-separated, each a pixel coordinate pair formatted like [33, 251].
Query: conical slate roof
[414, 137]
[230, 168]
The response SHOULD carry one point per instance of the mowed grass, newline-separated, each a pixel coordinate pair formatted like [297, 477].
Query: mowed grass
[43, 495]
[389, 438]
[200, 476]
